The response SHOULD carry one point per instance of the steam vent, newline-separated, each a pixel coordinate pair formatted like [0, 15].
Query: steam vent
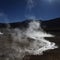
[30, 40]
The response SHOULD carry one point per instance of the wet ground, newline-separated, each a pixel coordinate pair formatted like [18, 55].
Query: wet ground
[50, 54]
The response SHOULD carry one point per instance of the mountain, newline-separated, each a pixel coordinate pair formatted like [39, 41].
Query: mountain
[53, 24]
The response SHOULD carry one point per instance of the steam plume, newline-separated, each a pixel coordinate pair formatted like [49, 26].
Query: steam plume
[29, 6]
[31, 41]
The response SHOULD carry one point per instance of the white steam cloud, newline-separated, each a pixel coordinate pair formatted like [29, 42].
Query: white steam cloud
[30, 17]
[30, 41]
[1, 33]
[29, 6]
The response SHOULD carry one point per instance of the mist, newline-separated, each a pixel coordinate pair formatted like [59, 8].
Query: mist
[31, 41]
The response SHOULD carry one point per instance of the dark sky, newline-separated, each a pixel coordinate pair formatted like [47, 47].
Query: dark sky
[18, 10]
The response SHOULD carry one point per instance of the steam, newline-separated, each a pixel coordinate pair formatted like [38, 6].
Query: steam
[30, 17]
[29, 6]
[1, 33]
[31, 41]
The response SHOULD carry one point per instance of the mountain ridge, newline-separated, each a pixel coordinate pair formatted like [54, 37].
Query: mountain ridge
[53, 24]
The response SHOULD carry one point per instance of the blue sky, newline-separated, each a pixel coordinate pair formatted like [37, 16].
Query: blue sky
[19, 10]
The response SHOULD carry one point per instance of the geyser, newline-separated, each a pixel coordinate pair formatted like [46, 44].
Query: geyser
[30, 41]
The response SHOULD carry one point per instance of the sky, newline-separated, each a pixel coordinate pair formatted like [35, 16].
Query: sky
[19, 10]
